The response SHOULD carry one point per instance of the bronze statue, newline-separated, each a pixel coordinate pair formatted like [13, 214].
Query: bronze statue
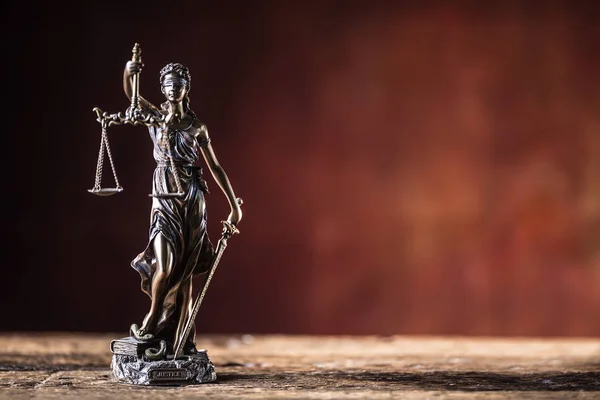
[179, 247]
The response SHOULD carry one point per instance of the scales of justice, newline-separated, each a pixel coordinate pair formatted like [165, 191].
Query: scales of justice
[162, 351]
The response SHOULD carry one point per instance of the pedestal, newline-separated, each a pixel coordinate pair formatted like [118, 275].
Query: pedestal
[129, 365]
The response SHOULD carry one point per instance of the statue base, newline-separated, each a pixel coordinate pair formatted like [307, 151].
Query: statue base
[136, 369]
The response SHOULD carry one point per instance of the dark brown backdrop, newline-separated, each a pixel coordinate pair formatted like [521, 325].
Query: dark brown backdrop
[405, 168]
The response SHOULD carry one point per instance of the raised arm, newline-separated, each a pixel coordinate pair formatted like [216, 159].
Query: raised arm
[131, 68]
[219, 175]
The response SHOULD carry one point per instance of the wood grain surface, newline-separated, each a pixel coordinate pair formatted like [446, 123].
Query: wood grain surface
[65, 366]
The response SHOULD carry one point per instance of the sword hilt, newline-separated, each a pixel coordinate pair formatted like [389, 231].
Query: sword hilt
[229, 229]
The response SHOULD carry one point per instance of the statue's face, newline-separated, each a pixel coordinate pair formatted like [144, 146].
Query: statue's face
[174, 88]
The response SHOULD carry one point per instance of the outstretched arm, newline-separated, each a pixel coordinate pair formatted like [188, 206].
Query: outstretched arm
[132, 68]
[219, 175]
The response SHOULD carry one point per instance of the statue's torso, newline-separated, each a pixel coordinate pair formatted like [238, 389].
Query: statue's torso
[179, 144]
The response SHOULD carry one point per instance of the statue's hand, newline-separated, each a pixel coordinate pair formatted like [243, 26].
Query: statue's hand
[235, 216]
[133, 67]
[229, 229]
[135, 114]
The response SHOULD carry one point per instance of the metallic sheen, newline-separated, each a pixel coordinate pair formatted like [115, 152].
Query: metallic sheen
[179, 247]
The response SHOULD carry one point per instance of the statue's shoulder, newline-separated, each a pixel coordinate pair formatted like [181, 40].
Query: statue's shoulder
[201, 132]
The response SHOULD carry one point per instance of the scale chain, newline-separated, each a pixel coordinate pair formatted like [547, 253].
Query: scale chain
[162, 174]
[100, 161]
[100, 166]
[112, 165]
[175, 172]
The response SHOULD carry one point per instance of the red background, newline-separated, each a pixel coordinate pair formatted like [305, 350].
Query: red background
[414, 169]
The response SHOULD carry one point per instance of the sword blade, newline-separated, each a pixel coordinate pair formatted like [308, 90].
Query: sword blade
[221, 245]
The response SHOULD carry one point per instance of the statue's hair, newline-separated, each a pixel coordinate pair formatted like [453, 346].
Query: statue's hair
[183, 72]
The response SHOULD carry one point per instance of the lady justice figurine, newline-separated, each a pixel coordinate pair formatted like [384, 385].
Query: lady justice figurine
[162, 349]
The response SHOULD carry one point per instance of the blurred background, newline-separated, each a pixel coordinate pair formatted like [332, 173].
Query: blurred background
[406, 167]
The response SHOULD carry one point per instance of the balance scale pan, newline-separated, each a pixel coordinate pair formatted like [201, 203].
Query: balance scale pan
[167, 195]
[105, 192]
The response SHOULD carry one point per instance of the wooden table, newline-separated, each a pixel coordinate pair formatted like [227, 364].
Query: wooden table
[65, 366]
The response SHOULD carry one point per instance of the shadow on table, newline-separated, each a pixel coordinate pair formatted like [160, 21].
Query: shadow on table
[436, 380]
[489, 381]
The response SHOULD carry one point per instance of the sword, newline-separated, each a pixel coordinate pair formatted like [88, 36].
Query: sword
[228, 231]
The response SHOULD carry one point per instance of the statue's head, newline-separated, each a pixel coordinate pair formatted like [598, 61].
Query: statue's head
[175, 82]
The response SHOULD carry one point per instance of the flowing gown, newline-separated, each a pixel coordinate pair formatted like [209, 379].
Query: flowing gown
[182, 222]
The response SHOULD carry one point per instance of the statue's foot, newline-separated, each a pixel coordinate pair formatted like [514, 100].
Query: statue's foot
[140, 334]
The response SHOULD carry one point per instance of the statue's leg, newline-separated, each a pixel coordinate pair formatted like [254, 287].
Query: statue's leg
[185, 300]
[163, 252]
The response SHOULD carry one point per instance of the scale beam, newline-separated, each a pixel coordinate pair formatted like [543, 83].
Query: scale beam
[134, 115]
